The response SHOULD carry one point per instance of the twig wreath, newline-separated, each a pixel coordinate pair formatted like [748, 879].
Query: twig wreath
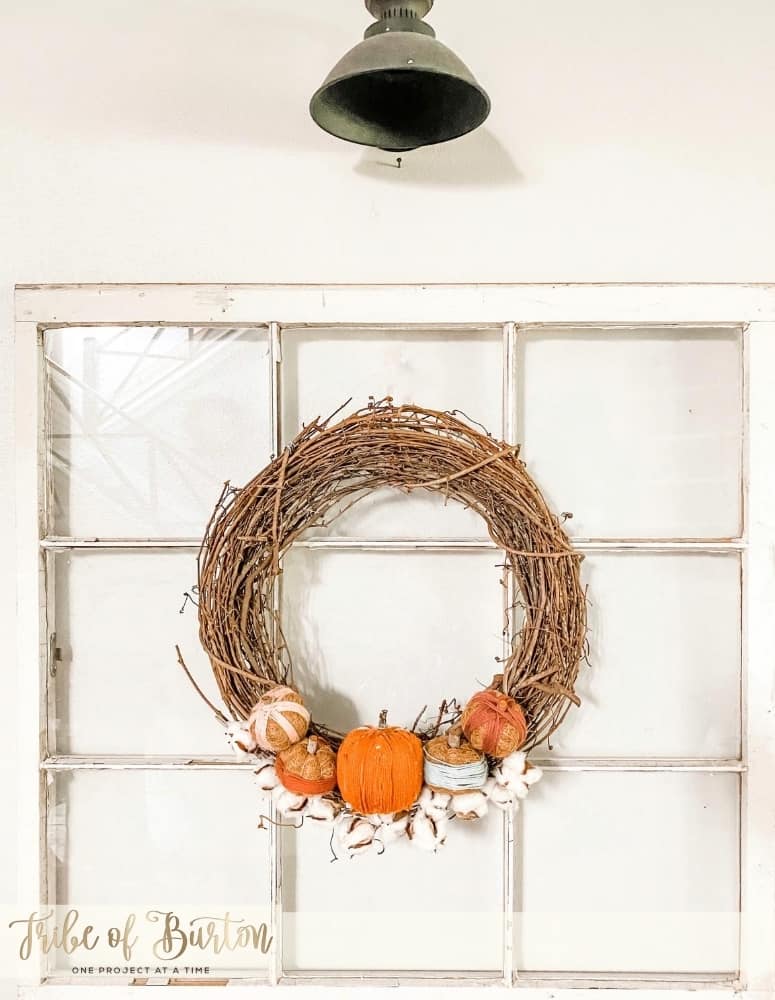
[379, 783]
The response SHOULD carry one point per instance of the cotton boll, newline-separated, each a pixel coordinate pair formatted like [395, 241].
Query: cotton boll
[320, 809]
[519, 789]
[290, 804]
[503, 798]
[514, 764]
[519, 784]
[239, 740]
[532, 774]
[434, 804]
[427, 833]
[513, 782]
[390, 828]
[266, 777]
[529, 778]
[355, 834]
[382, 819]
[470, 805]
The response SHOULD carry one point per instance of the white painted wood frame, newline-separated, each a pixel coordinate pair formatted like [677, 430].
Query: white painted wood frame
[750, 308]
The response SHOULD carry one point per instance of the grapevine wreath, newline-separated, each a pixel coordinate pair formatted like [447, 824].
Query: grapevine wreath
[377, 783]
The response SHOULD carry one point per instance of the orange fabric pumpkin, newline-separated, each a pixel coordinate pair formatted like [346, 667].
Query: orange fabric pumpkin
[308, 767]
[379, 769]
[494, 723]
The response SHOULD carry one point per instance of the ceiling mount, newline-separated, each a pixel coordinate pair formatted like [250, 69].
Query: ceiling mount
[405, 16]
[400, 88]
[398, 8]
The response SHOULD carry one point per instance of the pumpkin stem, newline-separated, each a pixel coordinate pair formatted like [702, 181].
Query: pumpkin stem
[383, 718]
[312, 744]
[496, 683]
[453, 737]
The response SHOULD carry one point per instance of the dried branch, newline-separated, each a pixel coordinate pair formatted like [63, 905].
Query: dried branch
[216, 711]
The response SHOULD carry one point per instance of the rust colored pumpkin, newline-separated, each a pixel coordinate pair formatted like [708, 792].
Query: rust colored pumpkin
[308, 767]
[279, 719]
[494, 723]
[379, 769]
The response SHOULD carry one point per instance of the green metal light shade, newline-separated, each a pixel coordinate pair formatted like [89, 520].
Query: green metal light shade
[400, 88]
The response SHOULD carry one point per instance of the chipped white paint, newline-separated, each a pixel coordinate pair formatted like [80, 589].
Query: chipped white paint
[758, 800]
[291, 305]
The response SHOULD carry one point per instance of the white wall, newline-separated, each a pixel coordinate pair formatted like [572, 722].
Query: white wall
[146, 141]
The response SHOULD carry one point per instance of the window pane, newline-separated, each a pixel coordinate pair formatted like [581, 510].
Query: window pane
[629, 872]
[128, 842]
[118, 686]
[370, 630]
[664, 673]
[441, 370]
[146, 424]
[402, 910]
[637, 433]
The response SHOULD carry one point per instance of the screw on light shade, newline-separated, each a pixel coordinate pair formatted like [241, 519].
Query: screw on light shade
[399, 88]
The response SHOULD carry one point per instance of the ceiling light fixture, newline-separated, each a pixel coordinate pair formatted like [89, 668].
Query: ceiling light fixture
[399, 88]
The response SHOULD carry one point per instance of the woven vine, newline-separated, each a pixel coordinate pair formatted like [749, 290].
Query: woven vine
[327, 469]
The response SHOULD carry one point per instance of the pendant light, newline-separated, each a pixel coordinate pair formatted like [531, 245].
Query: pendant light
[399, 88]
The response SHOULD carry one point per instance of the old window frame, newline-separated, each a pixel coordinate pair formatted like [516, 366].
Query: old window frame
[750, 308]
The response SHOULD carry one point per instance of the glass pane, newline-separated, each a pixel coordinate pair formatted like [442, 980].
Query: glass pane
[128, 842]
[374, 630]
[630, 872]
[146, 424]
[118, 686]
[664, 673]
[402, 910]
[443, 370]
[637, 433]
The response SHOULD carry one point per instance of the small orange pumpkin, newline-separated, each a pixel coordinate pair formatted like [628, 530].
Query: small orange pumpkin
[308, 767]
[493, 722]
[379, 769]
